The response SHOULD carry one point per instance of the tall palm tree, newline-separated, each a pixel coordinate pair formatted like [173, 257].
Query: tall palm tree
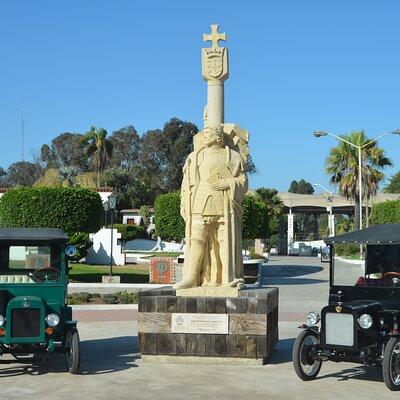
[342, 165]
[97, 147]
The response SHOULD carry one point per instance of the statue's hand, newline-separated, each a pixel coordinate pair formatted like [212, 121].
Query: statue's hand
[221, 184]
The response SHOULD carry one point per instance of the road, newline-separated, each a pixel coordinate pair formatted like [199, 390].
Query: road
[111, 368]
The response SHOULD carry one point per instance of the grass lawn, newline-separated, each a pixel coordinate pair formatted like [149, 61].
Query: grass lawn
[92, 273]
[173, 254]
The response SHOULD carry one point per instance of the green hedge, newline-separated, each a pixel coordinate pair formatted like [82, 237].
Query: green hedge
[167, 217]
[347, 249]
[387, 212]
[171, 226]
[130, 232]
[82, 243]
[69, 208]
[255, 221]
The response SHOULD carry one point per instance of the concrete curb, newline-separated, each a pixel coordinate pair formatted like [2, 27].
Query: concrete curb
[109, 288]
[103, 307]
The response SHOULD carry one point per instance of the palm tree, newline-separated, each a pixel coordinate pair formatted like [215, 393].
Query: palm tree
[68, 174]
[98, 147]
[342, 165]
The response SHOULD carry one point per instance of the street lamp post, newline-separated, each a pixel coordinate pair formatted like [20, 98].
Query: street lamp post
[112, 203]
[331, 224]
[359, 148]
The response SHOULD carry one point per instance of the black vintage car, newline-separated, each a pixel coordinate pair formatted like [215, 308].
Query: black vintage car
[361, 321]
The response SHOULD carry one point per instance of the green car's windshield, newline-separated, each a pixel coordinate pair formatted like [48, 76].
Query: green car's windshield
[380, 266]
[29, 264]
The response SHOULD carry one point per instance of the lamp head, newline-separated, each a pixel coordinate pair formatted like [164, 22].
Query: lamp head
[396, 132]
[320, 133]
[112, 201]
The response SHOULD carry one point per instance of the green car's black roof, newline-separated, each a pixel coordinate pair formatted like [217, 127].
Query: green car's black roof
[32, 234]
[377, 234]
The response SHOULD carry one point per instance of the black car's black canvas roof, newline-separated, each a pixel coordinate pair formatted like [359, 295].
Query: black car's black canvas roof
[32, 234]
[377, 234]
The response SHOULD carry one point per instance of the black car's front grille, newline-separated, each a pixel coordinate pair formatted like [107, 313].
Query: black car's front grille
[25, 322]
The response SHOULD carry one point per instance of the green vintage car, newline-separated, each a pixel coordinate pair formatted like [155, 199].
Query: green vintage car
[34, 315]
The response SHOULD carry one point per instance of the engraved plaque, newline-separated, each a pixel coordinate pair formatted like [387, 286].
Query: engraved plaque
[200, 323]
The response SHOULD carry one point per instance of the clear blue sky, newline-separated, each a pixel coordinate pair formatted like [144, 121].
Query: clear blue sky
[295, 66]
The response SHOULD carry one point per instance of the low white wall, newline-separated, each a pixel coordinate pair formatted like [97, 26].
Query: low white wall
[100, 252]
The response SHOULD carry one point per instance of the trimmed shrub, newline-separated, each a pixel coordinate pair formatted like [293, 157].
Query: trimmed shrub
[69, 208]
[255, 221]
[167, 217]
[82, 243]
[347, 249]
[130, 232]
[387, 212]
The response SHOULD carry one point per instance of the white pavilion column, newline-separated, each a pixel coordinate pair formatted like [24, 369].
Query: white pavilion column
[290, 232]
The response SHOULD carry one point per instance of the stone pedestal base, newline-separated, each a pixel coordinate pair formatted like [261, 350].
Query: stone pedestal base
[244, 326]
[209, 291]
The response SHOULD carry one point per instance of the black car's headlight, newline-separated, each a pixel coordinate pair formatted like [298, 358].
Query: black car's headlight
[365, 321]
[312, 318]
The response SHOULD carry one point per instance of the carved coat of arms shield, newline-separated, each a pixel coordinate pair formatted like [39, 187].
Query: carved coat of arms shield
[215, 65]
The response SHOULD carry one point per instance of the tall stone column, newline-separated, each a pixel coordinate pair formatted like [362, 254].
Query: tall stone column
[215, 72]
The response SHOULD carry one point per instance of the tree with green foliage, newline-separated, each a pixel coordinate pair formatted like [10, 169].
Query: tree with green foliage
[387, 212]
[394, 184]
[145, 214]
[71, 209]
[130, 232]
[305, 225]
[126, 144]
[343, 167]
[255, 220]
[97, 148]
[23, 173]
[301, 187]
[167, 217]
[274, 205]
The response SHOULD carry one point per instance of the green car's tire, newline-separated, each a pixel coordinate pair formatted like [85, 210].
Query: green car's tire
[305, 367]
[391, 364]
[72, 351]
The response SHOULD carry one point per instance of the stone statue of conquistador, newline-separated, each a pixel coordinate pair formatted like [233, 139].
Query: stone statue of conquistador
[214, 184]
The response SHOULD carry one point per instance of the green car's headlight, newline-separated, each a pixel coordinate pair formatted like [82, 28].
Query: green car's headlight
[53, 320]
[2, 320]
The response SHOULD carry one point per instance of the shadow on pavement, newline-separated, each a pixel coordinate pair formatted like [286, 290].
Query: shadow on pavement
[291, 281]
[286, 271]
[365, 373]
[104, 356]
[98, 356]
[282, 353]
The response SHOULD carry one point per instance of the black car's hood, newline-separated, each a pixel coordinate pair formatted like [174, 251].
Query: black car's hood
[357, 307]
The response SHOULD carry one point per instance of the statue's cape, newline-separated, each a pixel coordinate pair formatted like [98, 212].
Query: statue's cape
[232, 260]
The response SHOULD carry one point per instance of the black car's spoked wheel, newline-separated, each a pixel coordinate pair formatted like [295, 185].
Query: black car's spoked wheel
[391, 364]
[305, 366]
[72, 351]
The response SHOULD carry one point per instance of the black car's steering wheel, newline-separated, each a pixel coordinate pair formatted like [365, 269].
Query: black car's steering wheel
[47, 274]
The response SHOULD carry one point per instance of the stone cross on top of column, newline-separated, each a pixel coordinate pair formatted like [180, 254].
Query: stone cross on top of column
[214, 37]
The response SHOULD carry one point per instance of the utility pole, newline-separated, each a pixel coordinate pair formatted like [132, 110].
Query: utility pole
[22, 134]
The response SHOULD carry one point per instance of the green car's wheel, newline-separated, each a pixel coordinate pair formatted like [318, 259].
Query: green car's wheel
[305, 366]
[391, 364]
[72, 350]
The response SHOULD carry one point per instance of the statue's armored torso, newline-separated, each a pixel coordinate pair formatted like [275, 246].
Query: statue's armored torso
[207, 201]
